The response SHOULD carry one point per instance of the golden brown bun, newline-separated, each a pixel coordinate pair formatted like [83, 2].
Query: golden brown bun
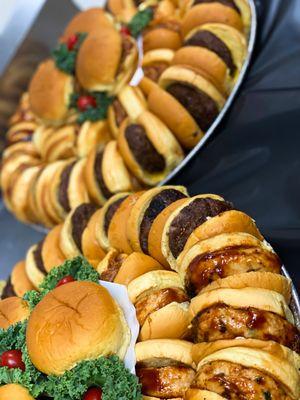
[161, 38]
[117, 232]
[12, 310]
[35, 276]
[174, 349]
[12, 391]
[139, 210]
[198, 394]
[205, 13]
[281, 363]
[175, 116]
[162, 140]
[91, 135]
[88, 21]
[52, 254]
[158, 55]
[60, 144]
[19, 279]
[20, 132]
[245, 10]
[49, 93]
[147, 85]
[91, 248]
[77, 190]
[227, 222]
[260, 298]
[123, 10]
[85, 323]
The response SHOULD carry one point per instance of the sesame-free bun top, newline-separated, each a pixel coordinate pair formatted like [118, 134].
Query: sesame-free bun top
[75, 322]
[88, 21]
[49, 92]
[12, 310]
[14, 391]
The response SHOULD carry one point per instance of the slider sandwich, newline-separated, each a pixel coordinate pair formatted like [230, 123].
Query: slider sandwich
[23, 112]
[21, 132]
[240, 307]
[161, 305]
[12, 310]
[245, 369]
[149, 148]
[163, 33]
[51, 253]
[18, 283]
[225, 255]
[129, 102]
[123, 268]
[106, 173]
[165, 368]
[91, 135]
[49, 93]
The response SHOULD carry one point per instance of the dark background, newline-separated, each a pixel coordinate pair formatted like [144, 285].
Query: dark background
[253, 160]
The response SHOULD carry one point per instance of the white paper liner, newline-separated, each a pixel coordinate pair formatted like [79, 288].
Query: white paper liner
[120, 294]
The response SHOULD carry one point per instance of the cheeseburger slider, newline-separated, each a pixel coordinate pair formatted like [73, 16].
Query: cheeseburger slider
[251, 312]
[245, 369]
[194, 92]
[161, 305]
[225, 255]
[106, 174]
[200, 12]
[51, 253]
[12, 310]
[18, 283]
[146, 209]
[49, 93]
[149, 148]
[172, 229]
[163, 33]
[130, 102]
[14, 391]
[218, 50]
[73, 228]
[91, 135]
[106, 61]
[165, 368]
[155, 62]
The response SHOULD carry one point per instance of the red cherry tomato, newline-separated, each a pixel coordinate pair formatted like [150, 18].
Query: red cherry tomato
[125, 30]
[12, 359]
[72, 41]
[93, 394]
[65, 279]
[86, 101]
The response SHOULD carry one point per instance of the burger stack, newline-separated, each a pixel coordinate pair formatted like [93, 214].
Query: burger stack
[213, 308]
[82, 133]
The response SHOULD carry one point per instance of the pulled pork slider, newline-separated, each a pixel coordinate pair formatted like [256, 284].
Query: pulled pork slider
[146, 209]
[18, 283]
[49, 93]
[51, 252]
[89, 324]
[149, 148]
[34, 264]
[123, 268]
[251, 312]
[12, 310]
[73, 228]
[130, 102]
[163, 33]
[117, 230]
[14, 391]
[245, 369]
[88, 21]
[118, 55]
[224, 255]
[200, 12]
[68, 189]
[106, 173]
[165, 368]
[217, 50]
[194, 92]
[91, 135]
[170, 230]
[161, 305]
[105, 216]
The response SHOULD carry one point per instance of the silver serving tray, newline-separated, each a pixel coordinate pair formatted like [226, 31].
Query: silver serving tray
[295, 302]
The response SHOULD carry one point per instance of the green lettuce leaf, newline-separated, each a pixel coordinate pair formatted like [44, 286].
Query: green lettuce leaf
[139, 21]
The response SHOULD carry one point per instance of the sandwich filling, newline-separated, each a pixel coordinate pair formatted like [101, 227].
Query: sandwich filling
[120, 113]
[114, 265]
[79, 221]
[99, 176]
[63, 197]
[37, 255]
[8, 290]
[110, 212]
[155, 70]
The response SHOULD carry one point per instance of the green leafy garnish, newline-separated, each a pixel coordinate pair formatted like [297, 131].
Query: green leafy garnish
[267, 395]
[103, 101]
[64, 58]
[14, 338]
[109, 373]
[33, 298]
[140, 20]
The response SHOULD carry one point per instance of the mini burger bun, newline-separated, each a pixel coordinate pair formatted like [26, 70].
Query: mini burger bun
[174, 115]
[49, 93]
[123, 10]
[52, 254]
[198, 394]
[14, 391]
[158, 38]
[96, 328]
[91, 135]
[19, 279]
[215, 12]
[35, 276]
[12, 310]
[174, 349]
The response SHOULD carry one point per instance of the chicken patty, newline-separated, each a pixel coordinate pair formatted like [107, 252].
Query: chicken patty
[221, 322]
